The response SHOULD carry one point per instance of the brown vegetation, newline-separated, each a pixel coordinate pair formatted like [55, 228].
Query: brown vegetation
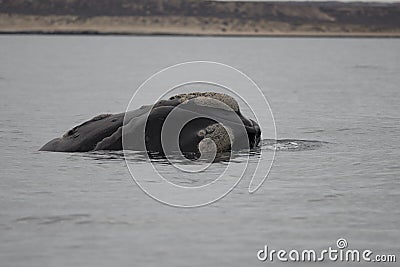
[199, 17]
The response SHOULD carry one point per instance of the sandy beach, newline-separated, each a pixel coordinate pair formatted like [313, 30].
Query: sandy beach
[175, 25]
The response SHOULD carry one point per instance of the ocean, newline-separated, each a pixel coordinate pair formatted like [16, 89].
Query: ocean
[335, 175]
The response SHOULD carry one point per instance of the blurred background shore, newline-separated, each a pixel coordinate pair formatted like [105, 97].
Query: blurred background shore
[196, 17]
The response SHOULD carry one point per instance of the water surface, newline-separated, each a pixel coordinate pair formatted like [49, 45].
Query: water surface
[79, 209]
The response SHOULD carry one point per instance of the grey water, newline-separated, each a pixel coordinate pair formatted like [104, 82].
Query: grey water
[335, 174]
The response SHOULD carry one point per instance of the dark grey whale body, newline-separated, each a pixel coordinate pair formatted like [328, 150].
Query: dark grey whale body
[105, 132]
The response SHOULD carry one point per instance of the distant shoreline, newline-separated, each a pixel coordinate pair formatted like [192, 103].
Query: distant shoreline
[271, 35]
[180, 26]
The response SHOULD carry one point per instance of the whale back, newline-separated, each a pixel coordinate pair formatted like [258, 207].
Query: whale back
[104, 132]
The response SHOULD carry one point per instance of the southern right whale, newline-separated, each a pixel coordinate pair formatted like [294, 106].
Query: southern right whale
[145, 125]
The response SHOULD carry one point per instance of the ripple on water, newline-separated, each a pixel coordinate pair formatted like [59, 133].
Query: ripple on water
[103, 157]
[52, 219]
[291, 144]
